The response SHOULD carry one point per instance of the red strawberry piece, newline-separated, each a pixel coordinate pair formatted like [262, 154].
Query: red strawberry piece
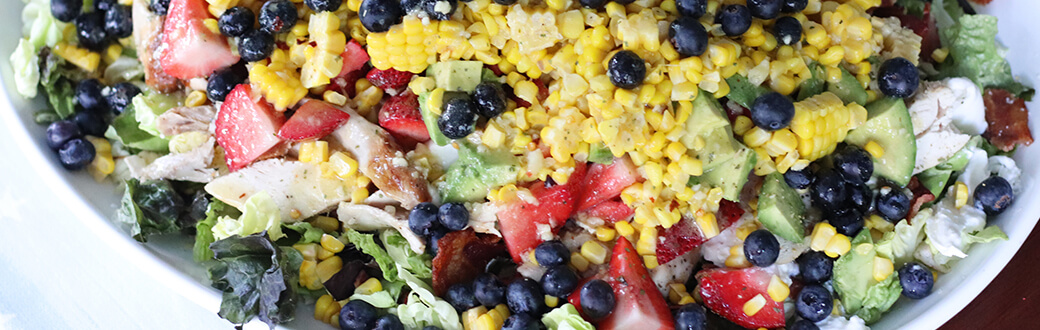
[400, 115]
[247, 127]
[354, 58]
[639, 304]
[726, 290]
[313, 120]
[189, 48]
[462, 256]
[729, 212]
[520, 220]
[389, 78]
[605, 182]
[681, 238]
[610, 211]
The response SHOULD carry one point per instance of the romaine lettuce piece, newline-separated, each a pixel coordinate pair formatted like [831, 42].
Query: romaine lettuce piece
[899, 244]
[566, 317]
[974, 53]
[151, 208]
[257, 278]
[259, 214]
[204, 228]
[26, 65]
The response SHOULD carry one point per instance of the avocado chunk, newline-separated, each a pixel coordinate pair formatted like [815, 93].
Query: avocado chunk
[475, 173]
[814, 85]
[457, 75]
[709, 123]
[430, 119]
[743, 91]
[860, 293]
[848, 89]
[599, 153]
[888, 124]
[780, 208]
[730, 175]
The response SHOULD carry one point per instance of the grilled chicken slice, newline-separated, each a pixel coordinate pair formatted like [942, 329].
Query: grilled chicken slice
[147, 38]
[188, 166]
[297, 188]
[382, 160]
[186, 119]
[368, 218]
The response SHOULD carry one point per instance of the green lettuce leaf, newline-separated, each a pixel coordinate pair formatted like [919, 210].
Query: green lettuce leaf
[39, 26]
[853, 281]
[380, 299]
[899, 245]
[367, 244]
[151, 208]
[149, 106]
[259, 214]
[308, 233]
[566, 317]
[399, 249]
[974, 54]
[204, 229]
[26, 65]
[423, 308]
[257, 279]
[57, 83]
[913, 7]
[880, 298]
[989, 234]
[126, 130]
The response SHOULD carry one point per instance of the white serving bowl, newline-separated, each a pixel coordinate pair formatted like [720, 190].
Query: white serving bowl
[169, 258]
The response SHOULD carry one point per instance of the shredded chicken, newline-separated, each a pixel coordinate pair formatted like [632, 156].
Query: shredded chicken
[186, 119]
[297, 188]
[148, 37]
[367, 218]
[188, 166]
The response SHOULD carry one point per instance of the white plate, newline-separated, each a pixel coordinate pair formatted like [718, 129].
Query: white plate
[169, 258]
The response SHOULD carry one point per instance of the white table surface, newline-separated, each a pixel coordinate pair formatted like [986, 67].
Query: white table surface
[56, 274]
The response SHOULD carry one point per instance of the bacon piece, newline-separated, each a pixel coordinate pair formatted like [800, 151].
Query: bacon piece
[921, 195]
[462, 256]
[1008, 120]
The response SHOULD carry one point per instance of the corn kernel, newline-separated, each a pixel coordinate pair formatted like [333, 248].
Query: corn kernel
[709, 226]
[821, 235]
[624, 228]
[676, 291]
[330, 243]
[551, 301]
[755, 304]
[838, 245]
[579, 262]
[370, 286]
[777, 289]
[594, 252]
[650, 262]
[328, 224]
[962, 195]
[470, 317]
[875, 149]
[940, 54]
[605, 234]
[687, 299]
[882, 268]
[328, 267]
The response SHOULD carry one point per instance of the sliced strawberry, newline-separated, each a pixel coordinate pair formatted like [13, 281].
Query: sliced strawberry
[726, 290]
[389, 78]
[610, 211]
[400, 115]
[246, 127]
[729, 212]
[354, 58]
[313, 120]
[639, 304]
[677, 240]
[520, 220]
[190, 49]
[605, 182]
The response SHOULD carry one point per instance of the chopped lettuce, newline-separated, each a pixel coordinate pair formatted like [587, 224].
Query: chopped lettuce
[898, 245]
[259, 214]
[880, 298]
[399, 249]
[57, 83]
[989, 234]
[367, 244]
[913, 7]
[39, 26]
[308, 233]
[124, 69]
[936, 178]
[565, 317]
[126, 131]
[151, 208]
[257, 278]
[379, 299]
[149, 106]
[26, 65]
[204, 229]
[423, 308]
[974, 54]
[860, 294]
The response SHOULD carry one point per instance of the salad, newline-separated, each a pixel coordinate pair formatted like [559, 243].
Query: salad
[559, 164]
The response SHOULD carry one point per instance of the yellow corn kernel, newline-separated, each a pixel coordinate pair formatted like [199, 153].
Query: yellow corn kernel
[650, 262]
[359, 195]
[676, 291]
[579, 262]
[691, 166]
[962, 195]
[742, 124]
[594, 252]
[330, 243]
[470, 317]
[756, 137]
[624, 228]
[605, 234]
[821, 235]
[882, 268]
[112, 53]
[832, 56]
[370, 286]
[940, 54]
[833, 74]
[334, 98]
[875, 149]
[483, 322]
[195, 98]
[328, 224]
[837, 246]
[777, 289]
[736, 257]
[647, 242]
[755, 304]
[551, 301]
[328, 267]
[308, 251]
[343, 165]
[82, 58]
[527, 91]
[745, 230]
[687, 299]
[709, 226]
[654, 173]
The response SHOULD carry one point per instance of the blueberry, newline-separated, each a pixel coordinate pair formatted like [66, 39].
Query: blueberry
[461, 296]
[847, 221]
[66, 10]
[440, 10]
[787, 30]
[815, 267]
[764, 9]
[794, 6]
[453, 216]
[90, 31]
[409, 5]
[103, 5]
[159, 7]
[236, 21]
[278, 16]
[60, 132]
[691, 317]
[422, 218]
[803, 324]
[828, 192]
[893, 204]
[552, 253]
[916, 280]
[436, 233]
[772, 111]
[379, 15]
[323, 5]
[860, 197]
[118, 22]
[489, 291]
[432, 327]
[799, 179]
[119, 96]
[88, 95]
[458, 119]
[854, 164]
[357, 315]
[593, 4]
[624, 2]
[221, 83]
[814, 303]
[688, 36]
[490, 99]
[255, 45]
[597, 299]
[761, 248]
[692, 8]
[525, 296]
[389, 322]
[898, 77]
[994, 195]
[90, 123]
[76, 154]
[735, 19]
[520, 322]
[559, 281]
[626, 69]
